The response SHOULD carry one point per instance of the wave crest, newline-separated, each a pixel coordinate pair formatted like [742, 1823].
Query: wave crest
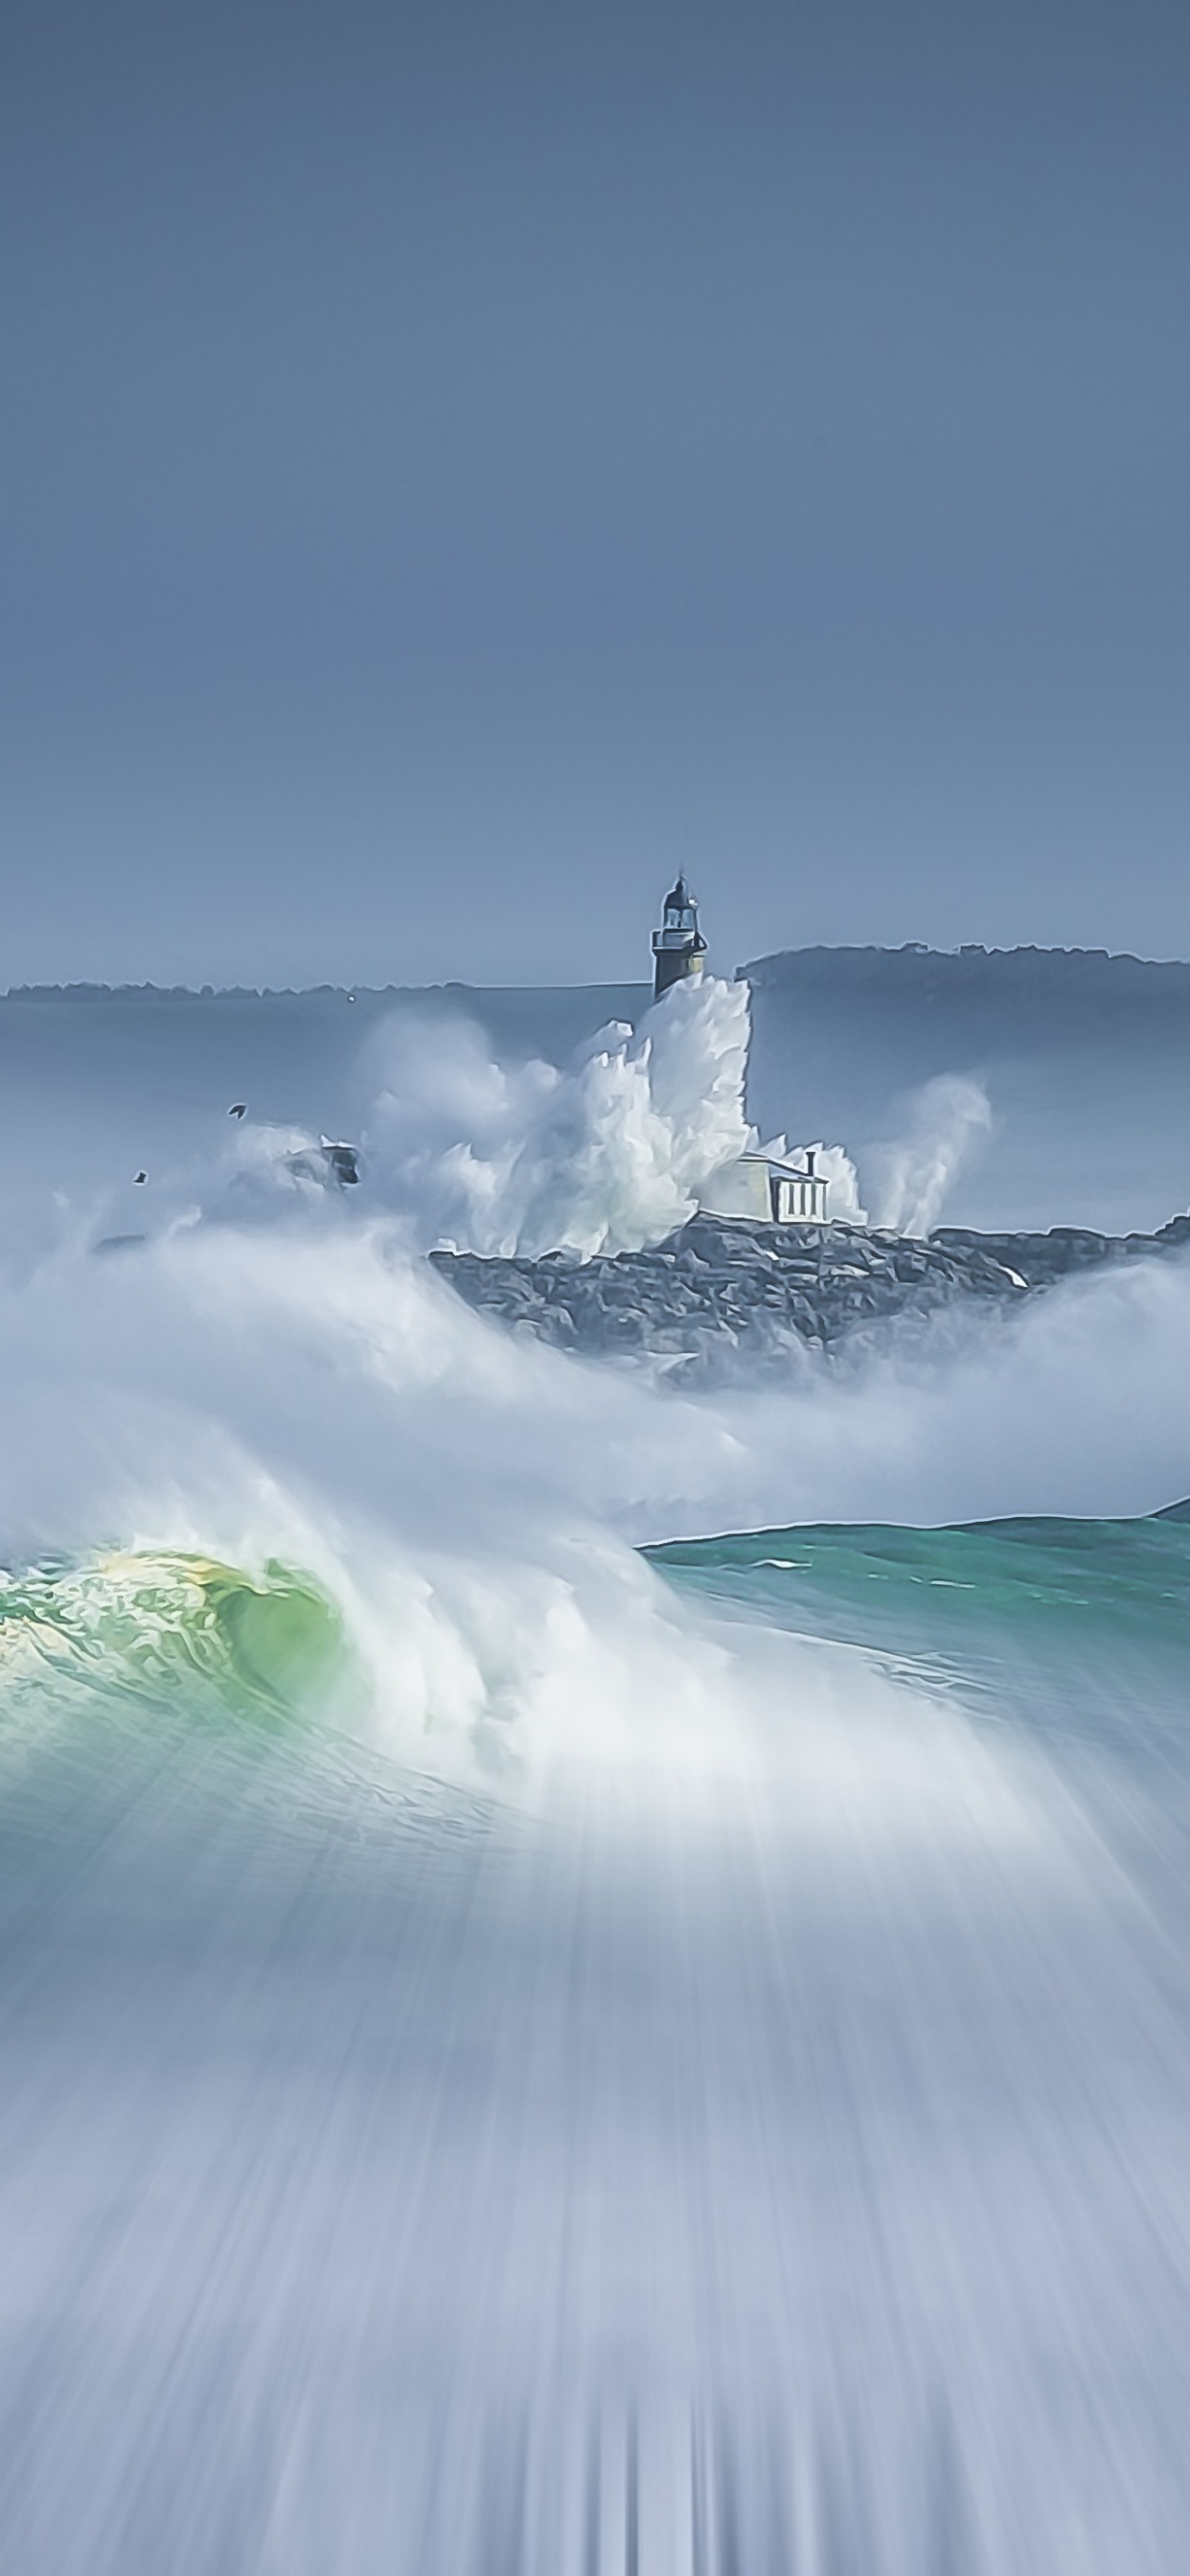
[142, 1626]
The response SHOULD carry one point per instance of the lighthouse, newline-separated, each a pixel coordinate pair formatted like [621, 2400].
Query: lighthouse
[679, 948]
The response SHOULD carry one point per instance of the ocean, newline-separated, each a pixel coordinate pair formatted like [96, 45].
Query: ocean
[595, 1976]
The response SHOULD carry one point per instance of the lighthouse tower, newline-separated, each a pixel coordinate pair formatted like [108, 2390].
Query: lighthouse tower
[679, 948]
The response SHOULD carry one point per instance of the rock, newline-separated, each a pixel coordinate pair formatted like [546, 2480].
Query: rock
[724, 1284]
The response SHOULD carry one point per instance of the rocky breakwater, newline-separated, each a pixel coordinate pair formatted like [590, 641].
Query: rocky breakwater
[1040, 1260]
[723, 1285]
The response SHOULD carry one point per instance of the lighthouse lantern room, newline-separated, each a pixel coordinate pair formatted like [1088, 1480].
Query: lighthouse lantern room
[679, 949]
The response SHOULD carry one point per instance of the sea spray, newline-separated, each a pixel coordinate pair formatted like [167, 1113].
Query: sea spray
[511, 1154]
[608, 1153]
[908, 1178]
[667, 2076]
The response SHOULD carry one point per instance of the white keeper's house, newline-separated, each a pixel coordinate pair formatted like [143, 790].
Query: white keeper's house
[766, 1185]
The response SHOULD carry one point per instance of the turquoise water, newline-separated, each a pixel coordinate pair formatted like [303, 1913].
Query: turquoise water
[1069, 1638]
[880, 1585]
[1024, 1616]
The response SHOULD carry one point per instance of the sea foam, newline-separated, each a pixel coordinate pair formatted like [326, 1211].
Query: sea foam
[512, 2064]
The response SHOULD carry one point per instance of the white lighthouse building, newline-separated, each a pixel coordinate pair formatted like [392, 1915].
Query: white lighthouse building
[765, 1183]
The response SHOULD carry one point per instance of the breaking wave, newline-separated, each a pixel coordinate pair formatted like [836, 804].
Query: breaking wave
[523, 2055]
[136, 1627]
[603, 1156]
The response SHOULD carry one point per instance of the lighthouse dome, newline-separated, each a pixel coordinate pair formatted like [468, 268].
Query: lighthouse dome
[679, 949]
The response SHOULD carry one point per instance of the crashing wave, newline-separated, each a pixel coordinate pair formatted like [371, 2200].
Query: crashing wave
[603, 1155]
[142, 1625]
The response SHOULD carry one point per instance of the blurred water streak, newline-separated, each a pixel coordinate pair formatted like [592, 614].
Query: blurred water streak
[395, 2179]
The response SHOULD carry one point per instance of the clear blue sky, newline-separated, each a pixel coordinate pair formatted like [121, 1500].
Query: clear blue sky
[461, 461]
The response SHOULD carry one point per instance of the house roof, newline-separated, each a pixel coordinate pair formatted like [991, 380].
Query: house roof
[775, 1163]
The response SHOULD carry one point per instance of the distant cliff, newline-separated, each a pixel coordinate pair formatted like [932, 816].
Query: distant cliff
[993, 998]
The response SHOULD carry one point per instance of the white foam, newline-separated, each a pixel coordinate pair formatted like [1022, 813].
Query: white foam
[602, 1156]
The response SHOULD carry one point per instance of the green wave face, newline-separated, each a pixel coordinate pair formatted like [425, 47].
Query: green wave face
[166, 1627]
